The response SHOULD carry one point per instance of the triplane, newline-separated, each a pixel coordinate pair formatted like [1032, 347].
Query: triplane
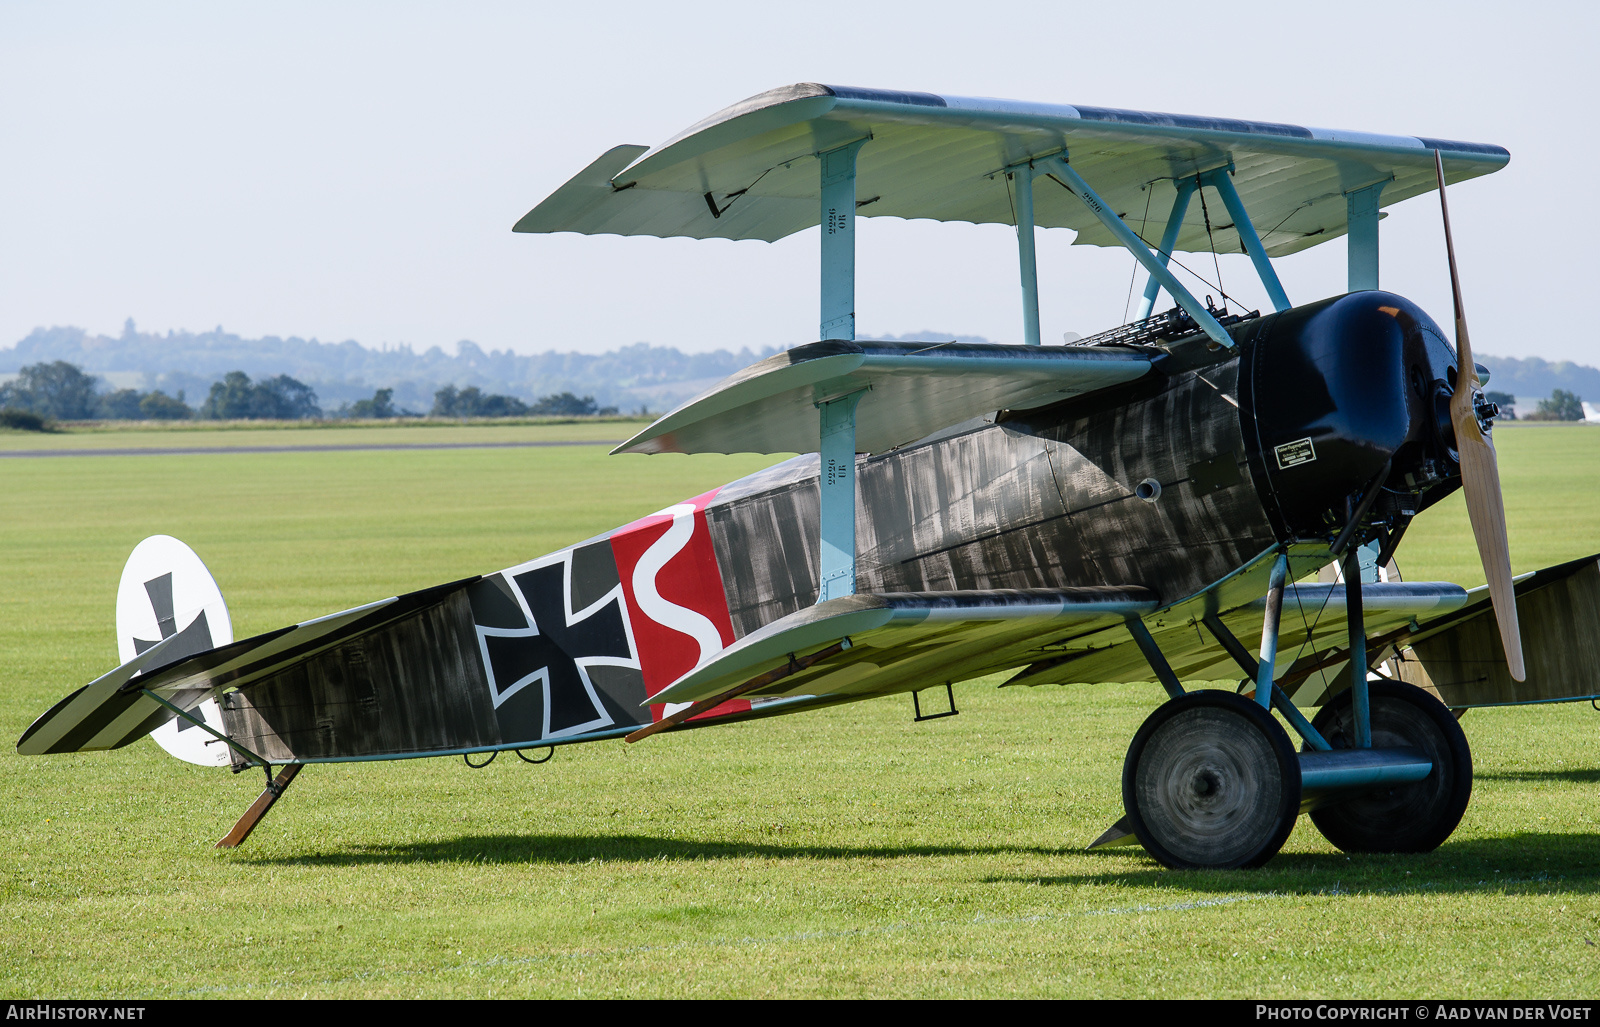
[1121, 506]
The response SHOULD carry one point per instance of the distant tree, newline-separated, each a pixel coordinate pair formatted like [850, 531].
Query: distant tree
[376, 407]
[291, 400]
[59, 390]
[158, 406]
[22, 420]
[230, 398]
[1561, 406]
[1506, 402]
[496, 405]
[564, 404]
[282, 398]
[471, 402]
[445, 402]
[121, 405]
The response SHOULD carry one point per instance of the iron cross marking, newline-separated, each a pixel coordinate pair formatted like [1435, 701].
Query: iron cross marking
[195, 637]
[555, 650]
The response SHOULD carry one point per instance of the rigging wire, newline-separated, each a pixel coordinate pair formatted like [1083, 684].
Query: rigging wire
[1205, 212]
[1315, 621]
[1133, 273]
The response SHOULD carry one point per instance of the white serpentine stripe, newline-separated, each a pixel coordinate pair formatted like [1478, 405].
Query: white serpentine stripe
[668, 614]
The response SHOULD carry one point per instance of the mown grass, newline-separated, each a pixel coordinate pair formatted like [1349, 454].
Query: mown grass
[843, 853]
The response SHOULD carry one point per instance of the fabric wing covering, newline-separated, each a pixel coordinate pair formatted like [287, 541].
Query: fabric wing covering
[913, 390]
[903, 642]
[750, 171]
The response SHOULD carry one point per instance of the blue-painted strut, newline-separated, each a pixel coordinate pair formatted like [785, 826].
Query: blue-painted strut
[1221, 179]
[838, 485]
[1269, 631]
[1169, 239]
[838, 319]
[1280, 698]
[1361, 209]
[1074, 182]
[1021, 184]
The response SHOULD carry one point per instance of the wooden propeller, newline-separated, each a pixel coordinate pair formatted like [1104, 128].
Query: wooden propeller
[1480, 471]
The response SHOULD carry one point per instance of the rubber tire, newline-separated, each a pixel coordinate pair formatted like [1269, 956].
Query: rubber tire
[1212, 782]
[1413, 817]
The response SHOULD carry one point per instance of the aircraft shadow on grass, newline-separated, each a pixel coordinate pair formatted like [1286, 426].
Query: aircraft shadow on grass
[511, 849]
[1573, 775]
[1532, 862]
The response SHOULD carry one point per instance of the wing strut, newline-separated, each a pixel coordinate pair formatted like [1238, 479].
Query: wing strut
[1221, 179]
[1063, 172]
[837, 413]
[1020, 181]
[1361, 212]
[839, 242]
[1169, 239]
[837, 483]
[1280, 698]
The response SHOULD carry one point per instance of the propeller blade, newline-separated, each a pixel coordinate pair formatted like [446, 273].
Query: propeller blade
[1480, 470]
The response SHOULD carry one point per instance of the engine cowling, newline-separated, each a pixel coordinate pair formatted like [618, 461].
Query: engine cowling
[1339, 396]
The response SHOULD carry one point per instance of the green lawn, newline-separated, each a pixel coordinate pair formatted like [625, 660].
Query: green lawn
[847, 852]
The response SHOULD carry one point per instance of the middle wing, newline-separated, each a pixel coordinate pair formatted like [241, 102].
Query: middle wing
[916, 389]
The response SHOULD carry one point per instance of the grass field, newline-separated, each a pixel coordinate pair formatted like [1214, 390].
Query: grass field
[847, 852]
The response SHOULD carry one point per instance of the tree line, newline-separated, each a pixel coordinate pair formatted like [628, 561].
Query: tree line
[62, 391]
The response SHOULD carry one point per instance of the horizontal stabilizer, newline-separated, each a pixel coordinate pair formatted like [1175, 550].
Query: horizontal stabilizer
[105, 714]
[913, 389]
[906, 641]
[113, 710]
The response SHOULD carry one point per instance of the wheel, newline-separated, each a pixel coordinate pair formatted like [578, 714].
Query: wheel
[1413, 817]
[1211, 781]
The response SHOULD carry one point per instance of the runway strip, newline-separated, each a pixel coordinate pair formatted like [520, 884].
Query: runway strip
[356, 447]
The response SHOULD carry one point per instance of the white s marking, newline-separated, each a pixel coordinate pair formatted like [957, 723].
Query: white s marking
[669, 614]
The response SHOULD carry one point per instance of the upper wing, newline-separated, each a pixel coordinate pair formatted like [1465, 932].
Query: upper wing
[747, 172]
[916, 389]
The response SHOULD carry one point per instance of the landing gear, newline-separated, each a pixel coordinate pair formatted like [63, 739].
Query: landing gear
[1411, 817]
[1211, 781]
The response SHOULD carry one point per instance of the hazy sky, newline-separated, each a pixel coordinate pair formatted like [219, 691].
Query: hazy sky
[352, 170]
